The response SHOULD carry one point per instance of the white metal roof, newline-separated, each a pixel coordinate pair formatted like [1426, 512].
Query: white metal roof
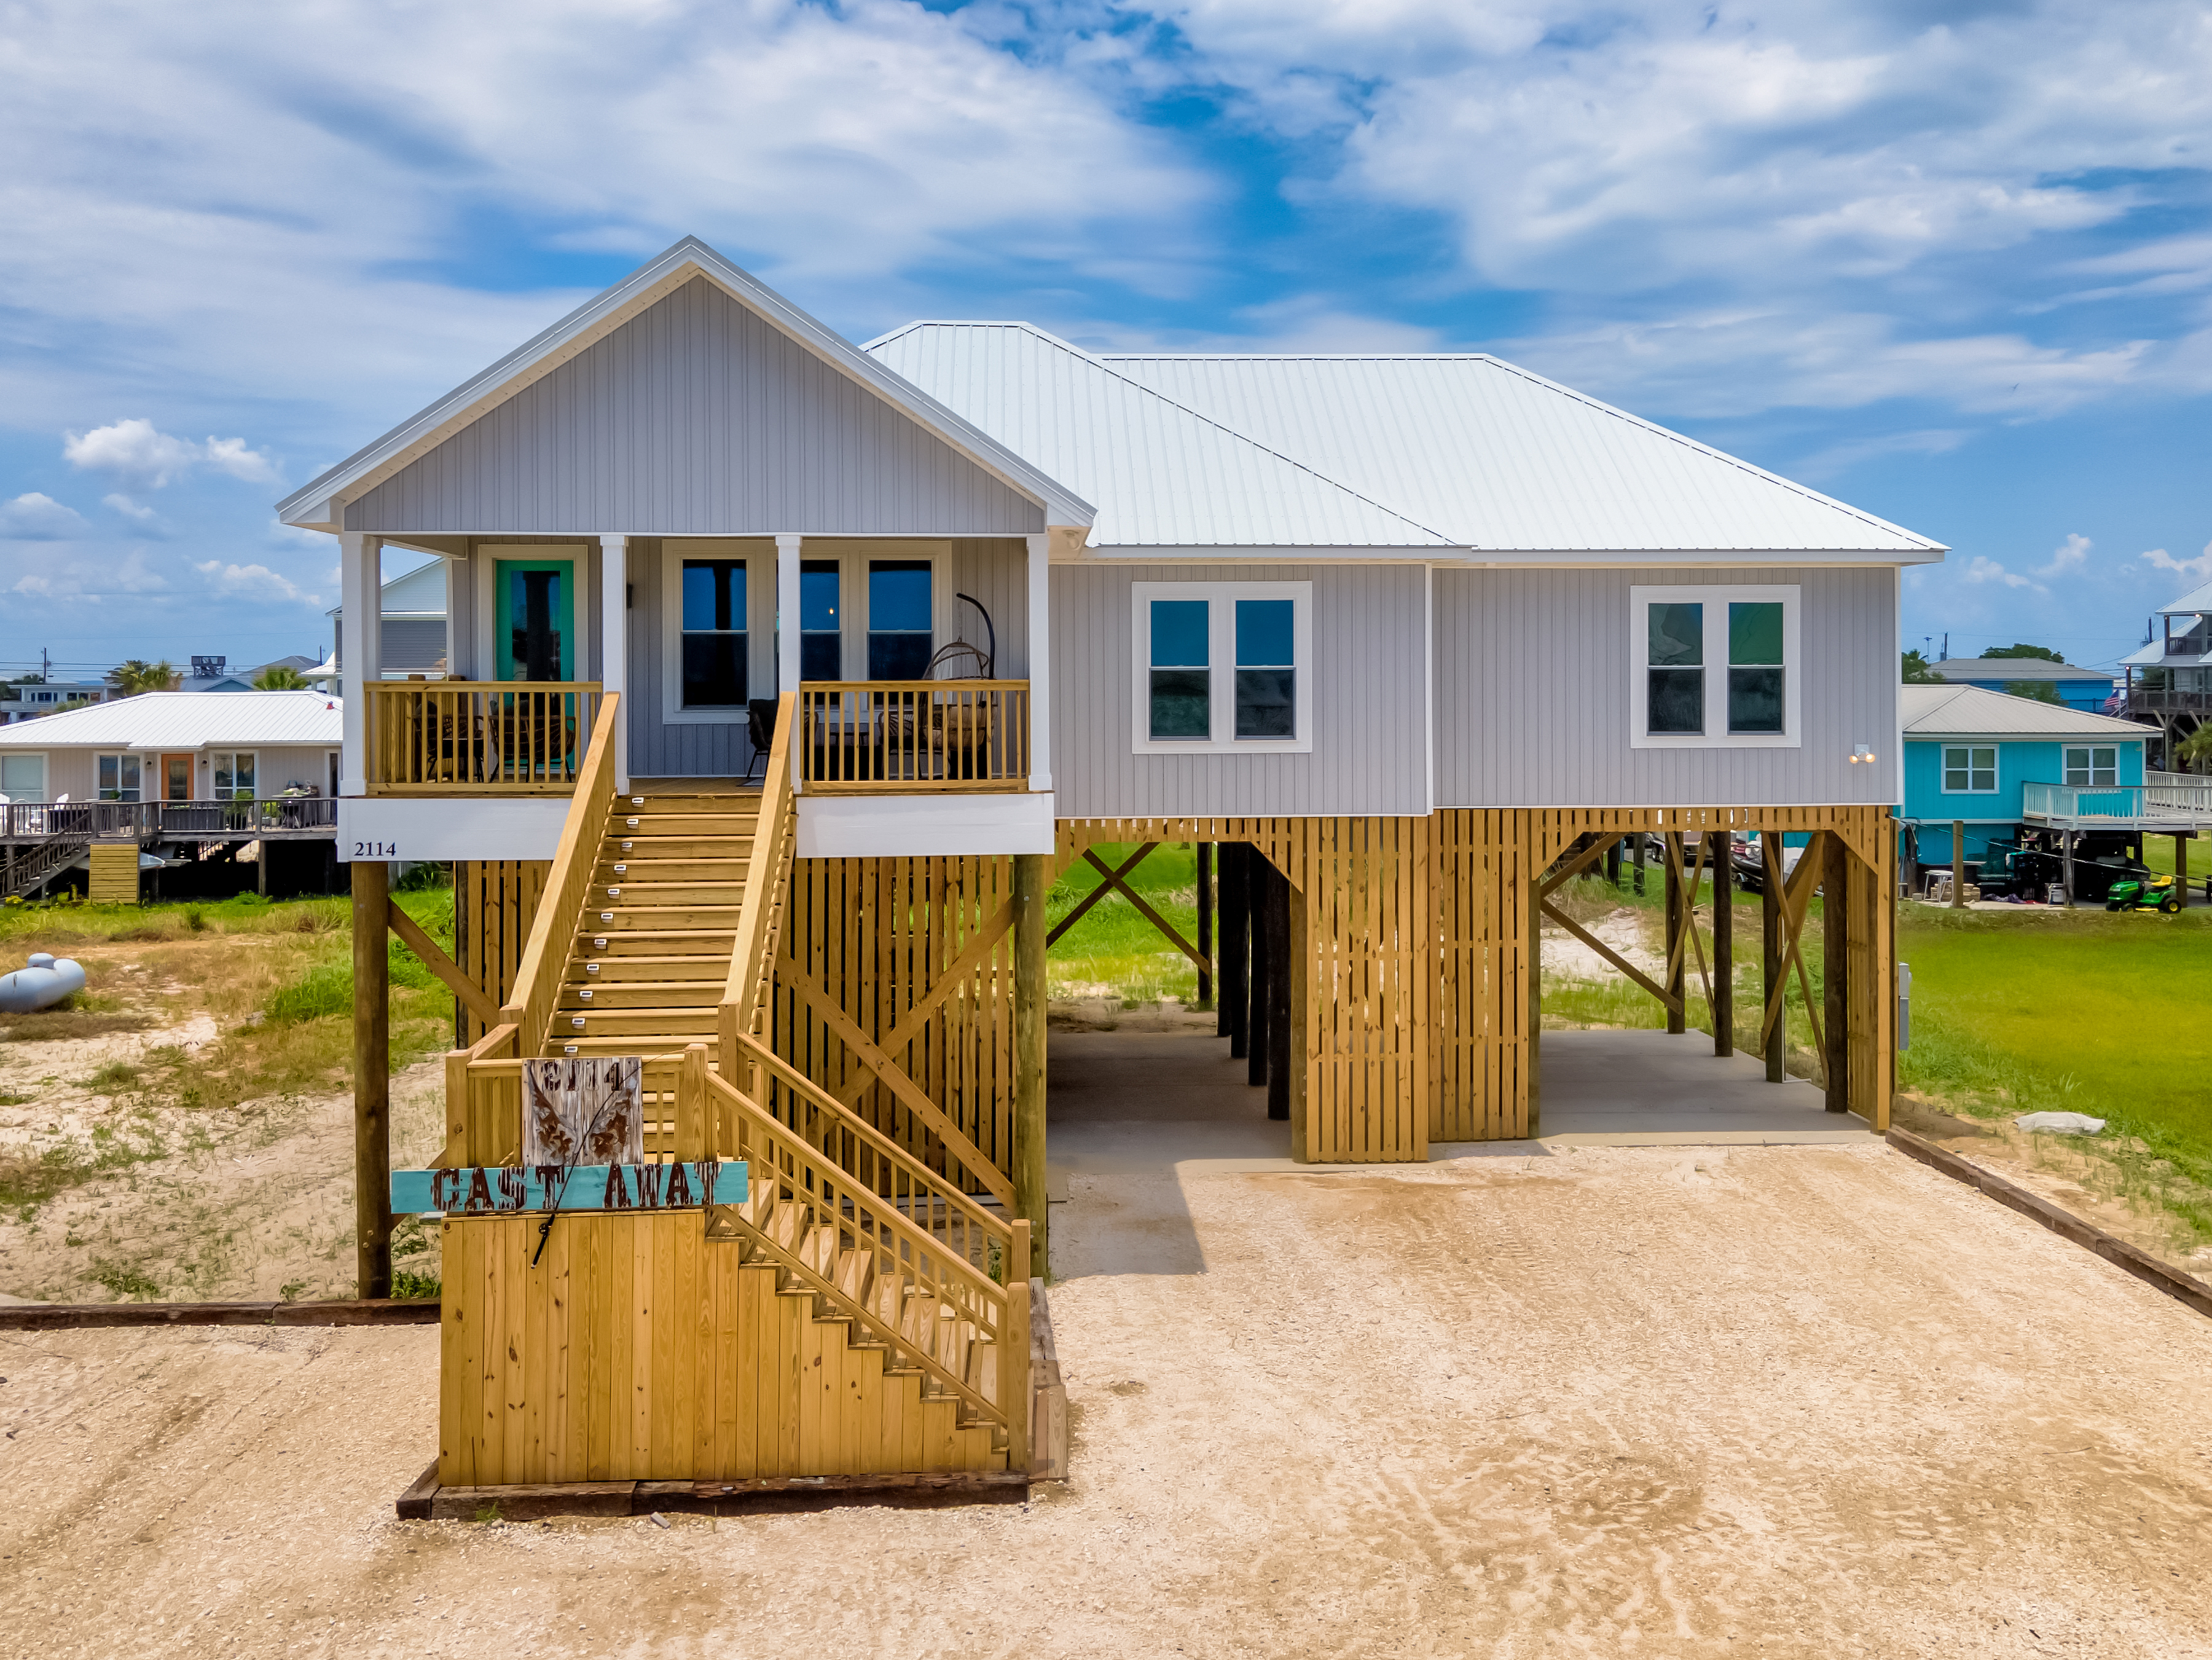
[312, 507]
[2014, 668]
[1163, 476]
[2194, 603]
[184, 721]
[1465, 450]
[1976, 711]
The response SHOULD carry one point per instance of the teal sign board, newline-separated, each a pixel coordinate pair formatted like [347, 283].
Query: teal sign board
[511, 1190]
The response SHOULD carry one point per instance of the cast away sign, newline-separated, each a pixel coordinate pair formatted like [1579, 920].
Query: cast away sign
[583, 1149]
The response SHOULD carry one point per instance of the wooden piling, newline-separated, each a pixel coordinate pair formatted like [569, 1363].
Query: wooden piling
[1281, 973]
[1769, 944]
[2181, 869]
[1233, 995]
[1958, 865]
[1261, 998]
[1836, 970]
[1204, 853]
[1678, 967]
[372, 1080]
[1724, 944]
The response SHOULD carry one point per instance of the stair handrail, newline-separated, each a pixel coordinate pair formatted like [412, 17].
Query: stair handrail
[538, 977]
[939, 1265]
[766, 867]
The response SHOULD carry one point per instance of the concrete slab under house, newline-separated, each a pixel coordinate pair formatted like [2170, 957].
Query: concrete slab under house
[783, 675]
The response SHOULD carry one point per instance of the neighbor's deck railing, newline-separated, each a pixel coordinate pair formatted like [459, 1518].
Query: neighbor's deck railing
[478, 736]
[2136, 802]
[898, 736]
[281, 815]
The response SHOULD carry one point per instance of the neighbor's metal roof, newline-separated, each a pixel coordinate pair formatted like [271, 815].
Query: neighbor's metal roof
[184, 721]
[1396, 450]
[1162, 474]
[1959, 711]
[2014, 668]
[2194, 603]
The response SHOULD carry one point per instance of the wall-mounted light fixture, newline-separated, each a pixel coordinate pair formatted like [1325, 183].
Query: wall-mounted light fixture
[1861, 752]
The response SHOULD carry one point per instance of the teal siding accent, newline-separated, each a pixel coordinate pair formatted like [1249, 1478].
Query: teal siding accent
[1989, 817]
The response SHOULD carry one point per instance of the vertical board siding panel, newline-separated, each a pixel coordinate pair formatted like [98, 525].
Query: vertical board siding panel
[1533, 692]
[695, 416]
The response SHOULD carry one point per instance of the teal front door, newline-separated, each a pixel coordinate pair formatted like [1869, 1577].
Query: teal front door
[533, 618]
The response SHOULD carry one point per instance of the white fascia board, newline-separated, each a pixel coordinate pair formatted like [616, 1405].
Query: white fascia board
[924, 826]
[1174, 553]
[320, 505]
[1601, 558]
[373, 827]
[1471, 559]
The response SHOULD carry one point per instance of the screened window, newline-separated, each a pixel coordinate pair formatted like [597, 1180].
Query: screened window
[1222, 665]
[2096, 766]
[900, 631]
[23, 777]
[1713, 666]
[119, 778]
[713, 634]
[1969, 771]
[1181, 671]
[821, 618]
[234, 774]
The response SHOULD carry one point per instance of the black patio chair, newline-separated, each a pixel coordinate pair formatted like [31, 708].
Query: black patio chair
[760, 731]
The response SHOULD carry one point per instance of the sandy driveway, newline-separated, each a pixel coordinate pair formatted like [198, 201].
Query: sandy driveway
[1798, 1400]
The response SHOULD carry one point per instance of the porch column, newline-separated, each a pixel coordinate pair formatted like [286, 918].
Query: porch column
[786, 662]
[1040, 596]
[614, 642]
[360, 597]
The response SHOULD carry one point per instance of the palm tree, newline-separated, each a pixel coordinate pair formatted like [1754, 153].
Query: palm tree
[137, 675]
[279, 677]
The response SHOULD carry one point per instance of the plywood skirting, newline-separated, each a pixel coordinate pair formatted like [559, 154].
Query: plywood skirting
[113, 876]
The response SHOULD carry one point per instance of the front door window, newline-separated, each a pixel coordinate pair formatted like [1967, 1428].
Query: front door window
[176, 778]
[535, 625]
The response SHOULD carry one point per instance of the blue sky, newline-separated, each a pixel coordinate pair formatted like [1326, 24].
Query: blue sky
[1950, 262]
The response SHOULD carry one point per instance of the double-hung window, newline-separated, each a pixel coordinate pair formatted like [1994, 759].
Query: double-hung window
[901, 631]
[2097, 767]
[713, 634]
[1223, 666]
[234, 774]
[1713, 667]
[119, 778]
[23, 777]
[820, 620]
[1969, 771]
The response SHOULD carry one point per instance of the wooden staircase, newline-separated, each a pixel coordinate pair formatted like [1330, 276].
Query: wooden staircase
[649, 956]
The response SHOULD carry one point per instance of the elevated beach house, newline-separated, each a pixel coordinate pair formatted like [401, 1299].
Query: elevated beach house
[786, 672]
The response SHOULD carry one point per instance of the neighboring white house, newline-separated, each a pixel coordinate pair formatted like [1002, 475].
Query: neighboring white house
[27, 702]
[413, 631]
[177, 746]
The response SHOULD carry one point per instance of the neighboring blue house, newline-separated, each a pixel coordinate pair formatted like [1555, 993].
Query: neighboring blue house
[1969, 754]
[2077, 687]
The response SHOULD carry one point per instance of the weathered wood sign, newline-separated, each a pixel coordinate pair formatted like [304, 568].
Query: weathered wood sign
[583, 1110]
[510, 1189]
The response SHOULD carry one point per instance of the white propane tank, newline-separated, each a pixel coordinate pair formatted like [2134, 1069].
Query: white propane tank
[41, 985]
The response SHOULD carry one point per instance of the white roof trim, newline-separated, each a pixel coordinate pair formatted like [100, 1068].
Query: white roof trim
[318, 505]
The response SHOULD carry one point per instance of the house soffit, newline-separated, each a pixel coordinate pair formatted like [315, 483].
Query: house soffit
[311, 507]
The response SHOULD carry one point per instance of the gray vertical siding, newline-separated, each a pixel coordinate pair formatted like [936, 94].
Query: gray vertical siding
[994, 569]
[694, 417]
[1370, 702]
[1532, 673]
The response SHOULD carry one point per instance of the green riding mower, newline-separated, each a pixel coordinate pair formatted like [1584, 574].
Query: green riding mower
[2144, 892]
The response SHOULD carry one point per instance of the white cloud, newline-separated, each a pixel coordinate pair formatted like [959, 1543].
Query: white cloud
[2070, 555]
[1983, 568]
[35, 516]
[255, 582]
[136, 449]
[2198, 569]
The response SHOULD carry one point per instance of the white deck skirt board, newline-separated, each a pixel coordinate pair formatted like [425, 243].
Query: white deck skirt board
[923, 826]
[449, 827]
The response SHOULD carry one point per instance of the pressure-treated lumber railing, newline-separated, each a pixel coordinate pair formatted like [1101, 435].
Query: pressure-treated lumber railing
[858, 737]
[745, 993]
[932, 1255]
[479, 736]
[538, 977]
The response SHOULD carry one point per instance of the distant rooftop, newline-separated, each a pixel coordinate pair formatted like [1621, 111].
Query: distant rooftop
[2014, 668]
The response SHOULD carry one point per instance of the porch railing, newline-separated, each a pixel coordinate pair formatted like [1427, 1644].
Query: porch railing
[858, 737]
[478, 736]
[37, 821]
[2066, 802]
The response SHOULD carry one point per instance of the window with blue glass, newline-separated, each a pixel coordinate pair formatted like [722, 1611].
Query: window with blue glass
[1181, 671]
[821, 621]
[1222, 665]
[901, 624]
[1713, 666]
[713, 634]
[1266, 669]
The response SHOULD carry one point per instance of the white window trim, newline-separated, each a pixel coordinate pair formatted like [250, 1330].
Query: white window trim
[759, 555]
[101, 754]
[1944, 768]
[1716, 600]
[2090, 750]
[489, 556]
[1221, 629]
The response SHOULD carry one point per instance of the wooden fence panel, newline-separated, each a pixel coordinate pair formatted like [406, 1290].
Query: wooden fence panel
[495, 902]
